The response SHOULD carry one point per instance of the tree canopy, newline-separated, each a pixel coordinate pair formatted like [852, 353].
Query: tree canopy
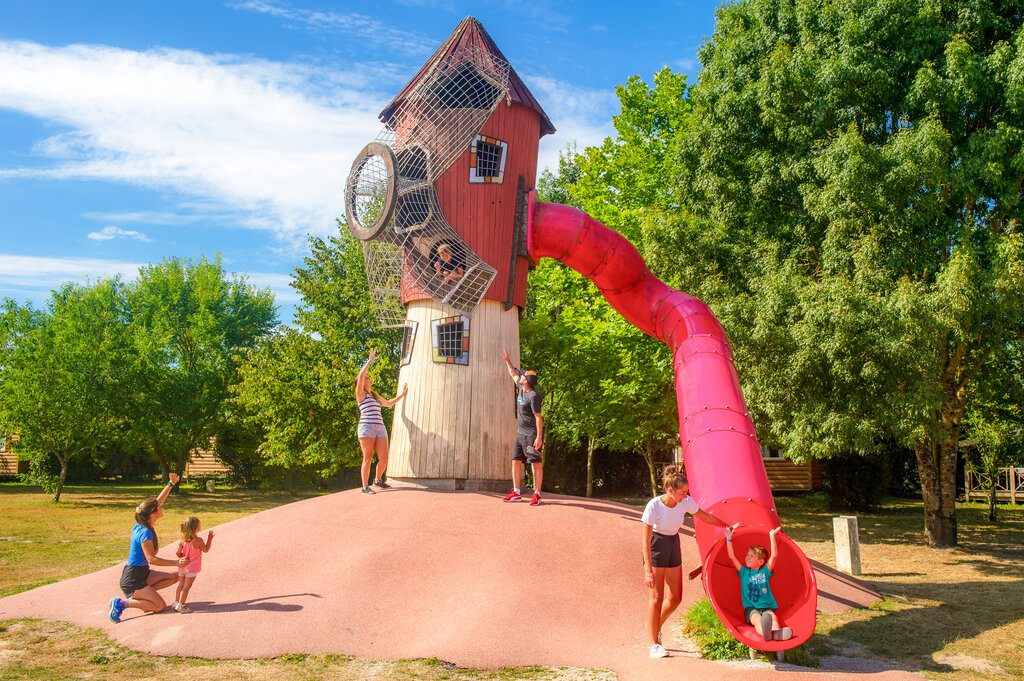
[862, 160]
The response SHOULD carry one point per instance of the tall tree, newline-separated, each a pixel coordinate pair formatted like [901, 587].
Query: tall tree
[190, 321]
[612, 384]
[861, 159]
[57, 369]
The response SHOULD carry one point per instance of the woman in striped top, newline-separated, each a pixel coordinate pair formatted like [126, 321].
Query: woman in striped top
[372, 433]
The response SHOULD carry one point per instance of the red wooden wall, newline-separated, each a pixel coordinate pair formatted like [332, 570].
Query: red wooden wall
[484, 213]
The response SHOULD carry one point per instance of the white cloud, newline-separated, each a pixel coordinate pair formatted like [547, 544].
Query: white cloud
[269, 143]
[29, 272]
[112, 232]
[34, 277]
[346, 23]
[581, 115]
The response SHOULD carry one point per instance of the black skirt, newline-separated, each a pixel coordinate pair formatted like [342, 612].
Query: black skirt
[665, 551]
[133, 578]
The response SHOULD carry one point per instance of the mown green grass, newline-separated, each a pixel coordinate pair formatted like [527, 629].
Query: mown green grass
[43, 542]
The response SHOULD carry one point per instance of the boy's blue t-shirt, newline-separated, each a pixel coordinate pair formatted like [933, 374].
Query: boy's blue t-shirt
[140, 533]
[754, 588]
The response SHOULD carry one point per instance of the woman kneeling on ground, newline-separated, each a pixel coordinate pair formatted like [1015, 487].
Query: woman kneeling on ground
[140, 584]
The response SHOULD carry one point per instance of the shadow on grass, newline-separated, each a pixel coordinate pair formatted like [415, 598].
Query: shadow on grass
[972, 609]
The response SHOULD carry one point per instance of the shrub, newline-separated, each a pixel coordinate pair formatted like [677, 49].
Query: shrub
[707, 631]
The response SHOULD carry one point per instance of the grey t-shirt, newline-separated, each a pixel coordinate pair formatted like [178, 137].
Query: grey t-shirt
[527, 405]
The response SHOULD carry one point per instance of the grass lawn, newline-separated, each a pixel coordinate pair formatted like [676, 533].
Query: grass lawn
[952, 614]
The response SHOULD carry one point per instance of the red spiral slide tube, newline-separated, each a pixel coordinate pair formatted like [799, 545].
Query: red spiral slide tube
[720, 449]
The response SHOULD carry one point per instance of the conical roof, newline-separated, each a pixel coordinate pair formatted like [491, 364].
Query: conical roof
[470, 32]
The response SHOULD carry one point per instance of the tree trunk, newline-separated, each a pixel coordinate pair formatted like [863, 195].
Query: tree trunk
[62, 479]
[165, 468]
[937, 466]
[648, 453]
[993, 478]
[590, 467]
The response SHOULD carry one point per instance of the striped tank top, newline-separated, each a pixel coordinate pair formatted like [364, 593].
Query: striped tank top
[369, 411]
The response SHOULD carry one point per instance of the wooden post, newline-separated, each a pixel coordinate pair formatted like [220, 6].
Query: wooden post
[847, 539]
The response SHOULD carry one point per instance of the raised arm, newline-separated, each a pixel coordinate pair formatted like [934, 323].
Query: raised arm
[773, 548]
[732, 553]
[511, 369]
[171, 482]
[361, 378]
[396, 398]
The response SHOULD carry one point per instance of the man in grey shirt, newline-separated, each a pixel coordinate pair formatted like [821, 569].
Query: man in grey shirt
[530, 431]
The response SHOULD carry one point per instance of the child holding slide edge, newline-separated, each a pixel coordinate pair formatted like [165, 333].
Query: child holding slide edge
[661, 520]
[759, 605]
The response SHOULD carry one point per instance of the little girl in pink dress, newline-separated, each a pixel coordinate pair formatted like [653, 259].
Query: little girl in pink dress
[192, 547]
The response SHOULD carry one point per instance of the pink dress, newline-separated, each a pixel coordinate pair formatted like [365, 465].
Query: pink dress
[195, 559]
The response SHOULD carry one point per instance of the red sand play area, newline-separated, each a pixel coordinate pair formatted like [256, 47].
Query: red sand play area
[410, 573]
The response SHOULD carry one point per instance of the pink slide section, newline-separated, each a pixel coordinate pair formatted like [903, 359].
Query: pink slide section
[720, 448]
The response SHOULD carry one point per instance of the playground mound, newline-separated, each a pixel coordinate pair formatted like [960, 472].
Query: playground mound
[410, 573]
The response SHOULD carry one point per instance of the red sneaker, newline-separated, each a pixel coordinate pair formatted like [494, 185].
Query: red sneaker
[535, 499]
[512, 496]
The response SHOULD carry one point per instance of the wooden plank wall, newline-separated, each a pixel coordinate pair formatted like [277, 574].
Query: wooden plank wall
[458, 421]
[784, 475]
[8, 462]
[205, 463]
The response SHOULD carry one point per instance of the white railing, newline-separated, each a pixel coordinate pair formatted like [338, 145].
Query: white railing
[1009, 485]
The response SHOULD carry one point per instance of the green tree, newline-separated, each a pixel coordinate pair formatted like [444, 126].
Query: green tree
[57, 369]
[860, 160]
[189, 322]
[610, 384]
[298, 383]
[992, 439]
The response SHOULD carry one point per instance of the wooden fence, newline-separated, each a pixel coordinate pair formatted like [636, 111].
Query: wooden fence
[1009, 485]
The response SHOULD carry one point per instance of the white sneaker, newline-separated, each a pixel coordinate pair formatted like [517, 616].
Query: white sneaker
[658, 650]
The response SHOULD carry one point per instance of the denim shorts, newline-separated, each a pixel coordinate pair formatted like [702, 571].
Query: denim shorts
[372, 430]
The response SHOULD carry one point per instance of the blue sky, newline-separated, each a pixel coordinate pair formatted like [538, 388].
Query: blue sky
[133, 131]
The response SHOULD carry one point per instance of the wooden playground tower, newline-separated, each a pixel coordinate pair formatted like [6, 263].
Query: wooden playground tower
[461, 151]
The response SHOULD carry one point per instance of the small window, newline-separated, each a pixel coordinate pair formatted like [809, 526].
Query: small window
[450, 340]
[3, 443]
[487, 160]
[408, 338]
[771, 452]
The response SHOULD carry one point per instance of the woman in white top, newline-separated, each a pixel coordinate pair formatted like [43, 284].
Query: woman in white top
[662, 519]
[371, 431]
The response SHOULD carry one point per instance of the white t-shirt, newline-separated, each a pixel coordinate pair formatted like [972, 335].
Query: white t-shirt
[667, 520]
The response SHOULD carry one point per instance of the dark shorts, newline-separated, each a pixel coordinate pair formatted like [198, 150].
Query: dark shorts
[523, 449]
[133, 578]
[665, 552]
[750, 611]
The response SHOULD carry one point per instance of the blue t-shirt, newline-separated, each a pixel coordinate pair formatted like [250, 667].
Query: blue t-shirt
[755, 590]
[140, 533]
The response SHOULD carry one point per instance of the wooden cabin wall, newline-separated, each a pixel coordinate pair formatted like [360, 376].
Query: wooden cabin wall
[457, 423]
[784, 475]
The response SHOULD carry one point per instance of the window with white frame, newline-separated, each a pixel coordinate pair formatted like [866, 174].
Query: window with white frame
[487, 160]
